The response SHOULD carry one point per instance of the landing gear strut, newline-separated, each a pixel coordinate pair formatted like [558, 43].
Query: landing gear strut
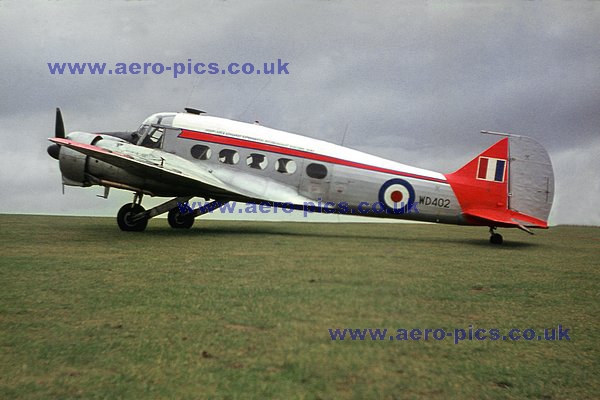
[495, 238]
[132, 217]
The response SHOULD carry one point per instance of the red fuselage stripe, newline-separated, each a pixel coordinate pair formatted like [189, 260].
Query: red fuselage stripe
[207, 137]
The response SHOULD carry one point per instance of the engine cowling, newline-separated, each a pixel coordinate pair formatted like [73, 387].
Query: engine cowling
[73, 165]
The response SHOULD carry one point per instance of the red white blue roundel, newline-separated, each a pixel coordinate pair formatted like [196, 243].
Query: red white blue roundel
[397, 195]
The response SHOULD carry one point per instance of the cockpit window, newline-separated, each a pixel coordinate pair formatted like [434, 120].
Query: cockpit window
[163, 119]
[166, 120]
[153, 138]
[153, 128]
[143, 130]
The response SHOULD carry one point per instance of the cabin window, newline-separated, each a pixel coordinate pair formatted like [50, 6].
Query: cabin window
[317, 171]
[201, 152]
[286, 166]
[257, 161]
[228, 156]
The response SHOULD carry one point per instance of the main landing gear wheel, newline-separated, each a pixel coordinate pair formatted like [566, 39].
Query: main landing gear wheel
[125, 215]
[177, 220]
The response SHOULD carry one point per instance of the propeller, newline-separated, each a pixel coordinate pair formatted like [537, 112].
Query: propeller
[59, 128]
[59, 132]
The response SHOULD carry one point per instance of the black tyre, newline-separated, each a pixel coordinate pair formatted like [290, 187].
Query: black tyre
[124, 218]
[177, 220]
[496, 238]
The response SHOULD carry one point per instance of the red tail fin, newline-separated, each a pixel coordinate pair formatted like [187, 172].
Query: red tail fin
[481, 187]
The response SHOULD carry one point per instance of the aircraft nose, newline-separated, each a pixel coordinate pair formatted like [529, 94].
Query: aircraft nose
[53, 151]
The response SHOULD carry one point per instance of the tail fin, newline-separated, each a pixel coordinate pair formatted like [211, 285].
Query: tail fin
[509, 184]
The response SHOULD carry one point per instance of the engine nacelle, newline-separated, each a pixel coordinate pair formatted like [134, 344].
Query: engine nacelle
[73, 164]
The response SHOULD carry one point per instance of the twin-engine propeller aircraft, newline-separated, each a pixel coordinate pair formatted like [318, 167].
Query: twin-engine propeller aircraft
[185, 155]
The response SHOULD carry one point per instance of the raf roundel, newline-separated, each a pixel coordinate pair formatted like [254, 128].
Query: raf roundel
[397, 195]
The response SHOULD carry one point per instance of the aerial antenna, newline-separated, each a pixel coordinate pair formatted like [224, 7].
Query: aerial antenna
[255, 97]
[345, 132]
[187, 102]
[500, 134]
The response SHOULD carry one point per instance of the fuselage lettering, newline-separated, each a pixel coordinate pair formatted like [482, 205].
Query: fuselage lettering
[434, 202]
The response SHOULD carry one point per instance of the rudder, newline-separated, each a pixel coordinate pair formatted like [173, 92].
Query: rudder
[531, 178]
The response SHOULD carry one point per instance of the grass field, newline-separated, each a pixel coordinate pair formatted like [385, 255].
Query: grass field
[242, 310]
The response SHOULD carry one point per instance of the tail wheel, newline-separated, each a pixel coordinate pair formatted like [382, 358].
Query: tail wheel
[125, 218]
[177, 220]
[496, 238]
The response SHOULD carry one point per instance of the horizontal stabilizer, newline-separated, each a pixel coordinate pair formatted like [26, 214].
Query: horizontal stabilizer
[505, 218]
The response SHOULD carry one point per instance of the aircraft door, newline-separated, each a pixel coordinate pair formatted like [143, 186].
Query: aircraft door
[316, 179]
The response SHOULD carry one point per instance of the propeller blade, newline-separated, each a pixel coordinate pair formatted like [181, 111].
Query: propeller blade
[59, 132]
[59, 129]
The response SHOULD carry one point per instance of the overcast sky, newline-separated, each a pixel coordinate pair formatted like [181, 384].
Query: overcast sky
[413, 82]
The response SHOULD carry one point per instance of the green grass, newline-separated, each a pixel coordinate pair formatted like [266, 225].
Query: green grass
[242, 310]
